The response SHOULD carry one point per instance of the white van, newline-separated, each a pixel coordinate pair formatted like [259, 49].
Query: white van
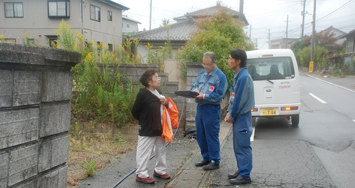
[276, 83]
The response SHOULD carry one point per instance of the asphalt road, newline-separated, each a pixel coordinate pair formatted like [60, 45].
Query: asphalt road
[328, 125]
[320, 153]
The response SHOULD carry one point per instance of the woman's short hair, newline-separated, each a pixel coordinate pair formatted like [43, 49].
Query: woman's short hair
[147, 75]
[239, 54]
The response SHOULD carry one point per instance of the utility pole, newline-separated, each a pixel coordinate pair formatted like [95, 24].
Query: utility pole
[241, 12]
[269, 40]
[250, 32]
[313, 31]
[303, 15]
[287, 32]
[150, 18]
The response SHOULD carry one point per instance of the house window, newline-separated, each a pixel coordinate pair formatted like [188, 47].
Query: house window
[30, 41]
[128, 25]
[13, 10]
[98, 46]
[109, 15]
[10, 40]
[52, 40]
[110, 47]
[94, 13]
[59, 8]
[122, 25]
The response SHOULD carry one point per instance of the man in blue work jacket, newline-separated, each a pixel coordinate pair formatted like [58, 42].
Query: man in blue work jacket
[211, 84]
[241, 103]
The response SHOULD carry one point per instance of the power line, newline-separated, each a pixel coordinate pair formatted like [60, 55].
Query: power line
[167, 11]
[193, 5]
[335, 10]
[274, 12]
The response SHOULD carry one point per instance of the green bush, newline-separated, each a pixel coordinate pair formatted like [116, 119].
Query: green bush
[100, 94]
[296, 48]
[219, 33]
[320, 53]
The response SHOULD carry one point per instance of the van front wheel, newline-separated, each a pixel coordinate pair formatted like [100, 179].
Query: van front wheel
[295, 120]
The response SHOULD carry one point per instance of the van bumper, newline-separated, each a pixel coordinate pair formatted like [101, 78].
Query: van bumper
[276, 110]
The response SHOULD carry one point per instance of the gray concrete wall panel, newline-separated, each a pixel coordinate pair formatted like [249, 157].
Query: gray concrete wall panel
[54, 119]
[18, 127]
[4, 160]
[30, 184]
[48, 180]
[27, 88]
[60, 151]
[6, 79]
[23, 164]
[54, 179]
[57, 86]
[62, 176]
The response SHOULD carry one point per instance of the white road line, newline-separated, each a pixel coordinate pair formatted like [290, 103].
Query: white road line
[354, 120]
[333, 84]
[252, 136]
[320, 100]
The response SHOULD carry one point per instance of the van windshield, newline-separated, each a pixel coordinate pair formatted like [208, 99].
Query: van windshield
[271, 68]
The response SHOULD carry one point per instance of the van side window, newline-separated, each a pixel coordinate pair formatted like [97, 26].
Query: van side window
[271, 68]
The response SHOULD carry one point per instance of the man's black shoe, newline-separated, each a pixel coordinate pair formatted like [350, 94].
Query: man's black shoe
[211, 166]
[240, 180]
[202, 163]
[233, 175]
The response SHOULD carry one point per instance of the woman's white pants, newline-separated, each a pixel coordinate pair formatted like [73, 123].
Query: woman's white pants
[144, 149]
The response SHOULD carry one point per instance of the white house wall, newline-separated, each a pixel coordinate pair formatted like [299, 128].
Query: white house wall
[107, 32]
[133, 26]
[143, 51]
[37, 25]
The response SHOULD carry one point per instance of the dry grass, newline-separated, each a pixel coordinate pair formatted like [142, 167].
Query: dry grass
[99, 147]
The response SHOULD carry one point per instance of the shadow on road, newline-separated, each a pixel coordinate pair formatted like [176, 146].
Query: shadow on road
[274, 128]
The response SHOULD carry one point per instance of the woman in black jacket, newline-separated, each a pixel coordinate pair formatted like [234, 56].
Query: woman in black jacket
[148, 109]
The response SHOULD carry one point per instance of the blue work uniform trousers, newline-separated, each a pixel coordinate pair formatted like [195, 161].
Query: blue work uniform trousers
[242, 131]
[207, 131]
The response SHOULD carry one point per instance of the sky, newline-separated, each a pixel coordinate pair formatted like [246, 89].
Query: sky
[262, 15]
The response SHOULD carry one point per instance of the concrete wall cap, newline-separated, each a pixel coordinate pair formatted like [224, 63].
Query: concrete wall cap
[47, 52]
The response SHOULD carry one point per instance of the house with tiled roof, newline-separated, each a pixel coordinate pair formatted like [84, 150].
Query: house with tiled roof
[350, 41]
[337, 33]
[179, 32]
[129, 25]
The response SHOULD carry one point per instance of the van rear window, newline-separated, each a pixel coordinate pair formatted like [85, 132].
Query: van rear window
[271, 68]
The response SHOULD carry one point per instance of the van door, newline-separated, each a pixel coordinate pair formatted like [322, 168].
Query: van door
[274, 83]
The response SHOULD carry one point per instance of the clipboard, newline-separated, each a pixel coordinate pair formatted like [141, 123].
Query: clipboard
[186, 93]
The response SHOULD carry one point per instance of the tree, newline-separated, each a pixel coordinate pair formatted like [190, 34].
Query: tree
[326, 39]
[219, 33]
[296, 48]
[319, 54]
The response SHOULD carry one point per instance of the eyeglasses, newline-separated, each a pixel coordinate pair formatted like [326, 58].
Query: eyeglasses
[158, 77]
[206, 65]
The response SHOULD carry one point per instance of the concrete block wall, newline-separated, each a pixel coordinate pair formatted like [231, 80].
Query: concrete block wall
[35, 89]
[193, 69]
